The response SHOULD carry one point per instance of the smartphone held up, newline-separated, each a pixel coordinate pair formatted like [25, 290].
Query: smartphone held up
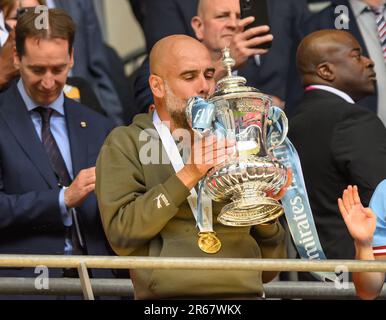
[259, 10]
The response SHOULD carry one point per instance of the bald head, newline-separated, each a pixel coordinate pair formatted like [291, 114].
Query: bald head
[167, 51]
[318, 47]
[201, 7]
[180, 68]
[334, 58]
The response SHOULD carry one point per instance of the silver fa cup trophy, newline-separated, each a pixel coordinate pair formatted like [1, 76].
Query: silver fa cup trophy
[253, 174]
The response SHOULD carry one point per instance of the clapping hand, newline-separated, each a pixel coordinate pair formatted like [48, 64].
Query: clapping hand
[360, 221]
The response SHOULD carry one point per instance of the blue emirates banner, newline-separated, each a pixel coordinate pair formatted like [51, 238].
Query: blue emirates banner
[297, 208]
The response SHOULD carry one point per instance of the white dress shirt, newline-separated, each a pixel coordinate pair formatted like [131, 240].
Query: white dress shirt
[338, 92]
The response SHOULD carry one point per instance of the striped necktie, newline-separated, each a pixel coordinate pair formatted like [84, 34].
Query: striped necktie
[52, 148]
[60, 169]
[381, 24]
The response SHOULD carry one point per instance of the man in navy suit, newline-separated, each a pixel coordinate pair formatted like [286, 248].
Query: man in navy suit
[273, 73]
[90, 56]
[355, 16]
[38, 210]
[91, 62]
[168, 17]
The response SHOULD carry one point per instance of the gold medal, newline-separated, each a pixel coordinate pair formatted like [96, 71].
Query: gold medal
[209, 242]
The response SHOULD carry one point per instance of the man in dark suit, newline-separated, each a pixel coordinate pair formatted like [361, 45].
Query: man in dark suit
[48, 148]
[217, 23]
[90, 55]
[76, 88]
[162, 19]
[168, 17]
[339, 142]
[356, 17]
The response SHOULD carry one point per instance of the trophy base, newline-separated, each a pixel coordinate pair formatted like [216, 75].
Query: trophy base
[250, 211]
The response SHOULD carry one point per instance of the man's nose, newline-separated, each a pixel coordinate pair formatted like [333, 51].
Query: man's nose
[203, 86]
[369, 63]
[48, 81]
[232, 22]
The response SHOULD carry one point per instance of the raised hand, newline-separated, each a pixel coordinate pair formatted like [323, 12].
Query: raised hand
[360, 221]
[242, 45]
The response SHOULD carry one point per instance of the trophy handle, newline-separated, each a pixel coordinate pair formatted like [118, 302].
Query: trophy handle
[280, 126]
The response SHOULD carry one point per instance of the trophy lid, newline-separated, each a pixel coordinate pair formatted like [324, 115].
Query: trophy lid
[230, 83]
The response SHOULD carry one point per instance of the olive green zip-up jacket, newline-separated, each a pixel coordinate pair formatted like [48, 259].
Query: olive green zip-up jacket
[145, 213]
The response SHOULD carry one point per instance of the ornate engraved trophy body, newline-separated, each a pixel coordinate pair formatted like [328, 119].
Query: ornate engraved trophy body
[246, 180]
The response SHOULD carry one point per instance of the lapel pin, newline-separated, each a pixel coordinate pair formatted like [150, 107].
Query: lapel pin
[83, 124]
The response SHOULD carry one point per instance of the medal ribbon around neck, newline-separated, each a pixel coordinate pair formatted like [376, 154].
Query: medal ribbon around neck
[208, 241]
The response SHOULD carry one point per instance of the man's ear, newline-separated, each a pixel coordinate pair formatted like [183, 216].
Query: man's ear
[157, 86]
[325, 71]
[198, 27]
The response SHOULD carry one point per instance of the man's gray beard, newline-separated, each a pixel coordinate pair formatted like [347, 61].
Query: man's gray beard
[176, 108]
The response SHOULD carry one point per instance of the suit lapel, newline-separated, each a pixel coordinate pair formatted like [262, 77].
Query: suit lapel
[77, 136]
[20, 124]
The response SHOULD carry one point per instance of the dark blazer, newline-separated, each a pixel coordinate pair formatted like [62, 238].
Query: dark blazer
[167, 17]
[325, 19]
[338, 144]
[90, 57]
[30, 220]
[276, 75]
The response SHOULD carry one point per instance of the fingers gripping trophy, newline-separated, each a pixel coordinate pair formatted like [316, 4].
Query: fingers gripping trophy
[248, 178]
